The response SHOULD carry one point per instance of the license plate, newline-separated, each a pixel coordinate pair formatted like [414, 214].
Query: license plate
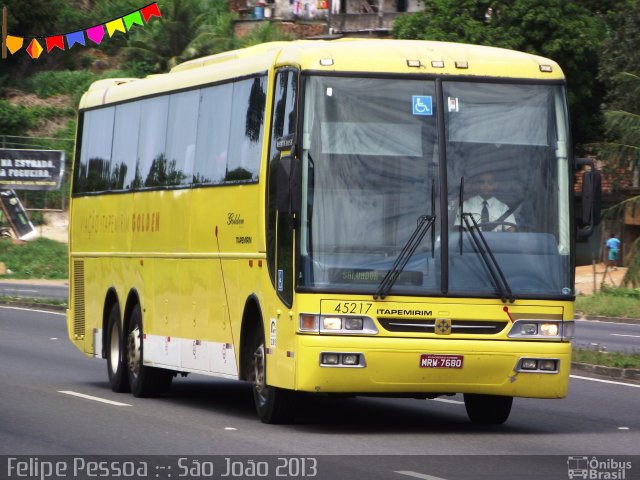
[441, 361]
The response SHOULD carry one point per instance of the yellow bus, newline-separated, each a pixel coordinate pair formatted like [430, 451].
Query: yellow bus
[335, 217]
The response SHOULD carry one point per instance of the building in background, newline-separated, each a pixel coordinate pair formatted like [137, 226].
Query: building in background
[312, 18]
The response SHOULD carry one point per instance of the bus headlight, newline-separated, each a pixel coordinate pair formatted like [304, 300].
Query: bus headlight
[529, 329]
[542, 330]
[549, 329]
[353, 323]
[331, 323]
[336, 324]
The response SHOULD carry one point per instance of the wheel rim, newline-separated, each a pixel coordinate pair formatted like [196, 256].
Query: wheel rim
[133, 351]
[260, 388]
[114, 348]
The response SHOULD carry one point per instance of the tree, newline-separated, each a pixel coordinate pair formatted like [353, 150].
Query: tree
[562, 30]
[620, 71]
[188, 29]
[31, 18]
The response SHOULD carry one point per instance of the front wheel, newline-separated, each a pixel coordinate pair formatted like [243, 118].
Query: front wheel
[273, 405]
[144, 381]
[487, 409]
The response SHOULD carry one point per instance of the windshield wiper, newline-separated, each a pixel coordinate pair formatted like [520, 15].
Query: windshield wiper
[483, 248]
[499, 280]
[425, 222]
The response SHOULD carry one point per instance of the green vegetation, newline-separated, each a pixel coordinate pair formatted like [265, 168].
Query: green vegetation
[607, 359]
[611, 302]
[40, 258]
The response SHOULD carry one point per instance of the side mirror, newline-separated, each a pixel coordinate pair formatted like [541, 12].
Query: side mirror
[591, 195]
[288, 178]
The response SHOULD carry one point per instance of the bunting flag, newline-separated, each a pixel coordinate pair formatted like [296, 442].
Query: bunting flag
[96, 34]
[75, 37]
[34, 49]
[14, 43]
[149, 11]
[55, 42]
[115, 26]
[132, 19]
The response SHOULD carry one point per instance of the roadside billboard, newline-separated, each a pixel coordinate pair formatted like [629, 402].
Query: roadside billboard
[31, 169]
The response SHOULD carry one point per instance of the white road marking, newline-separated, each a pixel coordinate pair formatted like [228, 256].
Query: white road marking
[33, 310]
[611, 323]
[605, 381]
[95, 399]
[621, 335]
[446, 400]
[417, 475]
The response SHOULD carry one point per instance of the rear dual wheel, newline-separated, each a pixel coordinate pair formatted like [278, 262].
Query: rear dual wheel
[144, 381]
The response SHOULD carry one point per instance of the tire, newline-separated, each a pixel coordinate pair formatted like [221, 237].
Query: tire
[274, 405]
[144, 381]
[487, 409]
[116, 366]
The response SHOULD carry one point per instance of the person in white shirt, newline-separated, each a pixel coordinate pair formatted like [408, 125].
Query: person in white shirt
[486, 208]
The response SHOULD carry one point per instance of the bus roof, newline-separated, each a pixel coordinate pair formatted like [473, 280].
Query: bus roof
[342, 55]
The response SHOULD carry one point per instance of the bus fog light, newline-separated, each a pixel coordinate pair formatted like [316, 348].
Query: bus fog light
[330, 359]
[549, 329]
[548, 365]
[529, 364]
[350, 359]
[331, 323]
[353, 324]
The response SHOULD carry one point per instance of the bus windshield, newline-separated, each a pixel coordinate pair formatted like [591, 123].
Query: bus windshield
[374, 166]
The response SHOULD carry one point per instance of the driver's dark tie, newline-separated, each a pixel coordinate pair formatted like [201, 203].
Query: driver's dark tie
[484, 215]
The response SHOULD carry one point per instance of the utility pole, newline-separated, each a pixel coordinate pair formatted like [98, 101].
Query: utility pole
[4, 32]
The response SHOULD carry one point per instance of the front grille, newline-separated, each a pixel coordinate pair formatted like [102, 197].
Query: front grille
[468, 327]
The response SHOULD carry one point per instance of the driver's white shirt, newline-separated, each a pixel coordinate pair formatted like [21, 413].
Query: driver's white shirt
[496, 210]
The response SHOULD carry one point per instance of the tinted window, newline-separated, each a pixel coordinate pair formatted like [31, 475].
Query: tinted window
[93, 172]
[247, 124]
[125, 145]
[153, 169]
[213, 134]
[181, 137]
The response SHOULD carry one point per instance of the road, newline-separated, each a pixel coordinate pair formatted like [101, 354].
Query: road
[607, 336]
[54, 401]
[37, 290]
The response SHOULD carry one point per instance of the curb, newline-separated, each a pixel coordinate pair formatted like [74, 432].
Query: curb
[40, 306]
[631, 374]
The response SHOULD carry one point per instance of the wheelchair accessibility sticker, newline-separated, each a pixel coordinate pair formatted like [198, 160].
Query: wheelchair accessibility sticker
[422, 105]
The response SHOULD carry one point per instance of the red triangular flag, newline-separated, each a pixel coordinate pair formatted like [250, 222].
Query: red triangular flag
[53, 42]
[149, 11]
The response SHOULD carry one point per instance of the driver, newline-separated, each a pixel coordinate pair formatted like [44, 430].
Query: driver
[486, 208]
